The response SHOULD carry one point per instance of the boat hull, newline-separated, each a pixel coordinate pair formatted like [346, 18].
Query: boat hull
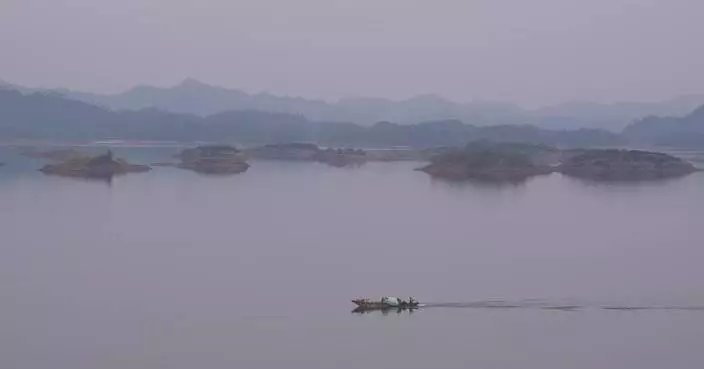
[363, 305]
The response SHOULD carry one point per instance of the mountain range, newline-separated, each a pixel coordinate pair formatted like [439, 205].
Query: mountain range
[50, 116]
[686, 131]
[55, 115]
[197, 98]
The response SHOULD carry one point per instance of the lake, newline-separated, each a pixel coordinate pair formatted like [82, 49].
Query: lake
[171, 269]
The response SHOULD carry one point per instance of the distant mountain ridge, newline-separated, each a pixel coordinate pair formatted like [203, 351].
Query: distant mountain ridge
[49, 115]
[194, 97]
[669, 131]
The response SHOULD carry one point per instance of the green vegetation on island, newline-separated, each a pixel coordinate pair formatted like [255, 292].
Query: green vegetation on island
[616, 164]
[492, 161]
[295, 151]
[502, 161]
[101, 166]
[213, 159]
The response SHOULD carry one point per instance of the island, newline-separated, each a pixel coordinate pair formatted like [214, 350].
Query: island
[493, 162]
[399, 154]
[101, 166]
[619, 164]
[342, 157]
[213, 159]
[338, 157]
[295, 151]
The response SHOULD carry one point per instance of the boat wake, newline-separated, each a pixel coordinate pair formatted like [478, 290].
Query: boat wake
[554, 305]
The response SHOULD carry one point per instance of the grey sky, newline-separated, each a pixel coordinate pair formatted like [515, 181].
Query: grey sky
[528, 51]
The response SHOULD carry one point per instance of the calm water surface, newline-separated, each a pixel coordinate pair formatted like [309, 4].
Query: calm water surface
[170, 269]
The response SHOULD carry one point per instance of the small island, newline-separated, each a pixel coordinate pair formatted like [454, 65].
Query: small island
[623, 165]
[213, 159]
[101, 166]
[342, 157]
[295, 151]
[492, 162]
[516, 161]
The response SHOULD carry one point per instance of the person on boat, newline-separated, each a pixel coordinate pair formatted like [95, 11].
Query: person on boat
[411, 301]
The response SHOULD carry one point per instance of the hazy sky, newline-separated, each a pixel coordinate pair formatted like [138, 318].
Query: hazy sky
[528, 51]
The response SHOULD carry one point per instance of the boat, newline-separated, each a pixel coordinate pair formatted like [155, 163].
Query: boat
[386, 303]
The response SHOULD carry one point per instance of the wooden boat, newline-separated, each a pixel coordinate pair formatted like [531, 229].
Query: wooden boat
[385, 303]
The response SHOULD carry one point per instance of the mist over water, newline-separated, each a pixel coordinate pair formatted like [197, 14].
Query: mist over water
[170, 269]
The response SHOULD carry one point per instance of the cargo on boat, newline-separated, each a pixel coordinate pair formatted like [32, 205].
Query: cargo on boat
[386, 302]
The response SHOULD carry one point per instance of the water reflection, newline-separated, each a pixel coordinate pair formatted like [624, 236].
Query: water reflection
[385, 312]
[481, 184]
[627, 183]
[204, 272]
[107, 179]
